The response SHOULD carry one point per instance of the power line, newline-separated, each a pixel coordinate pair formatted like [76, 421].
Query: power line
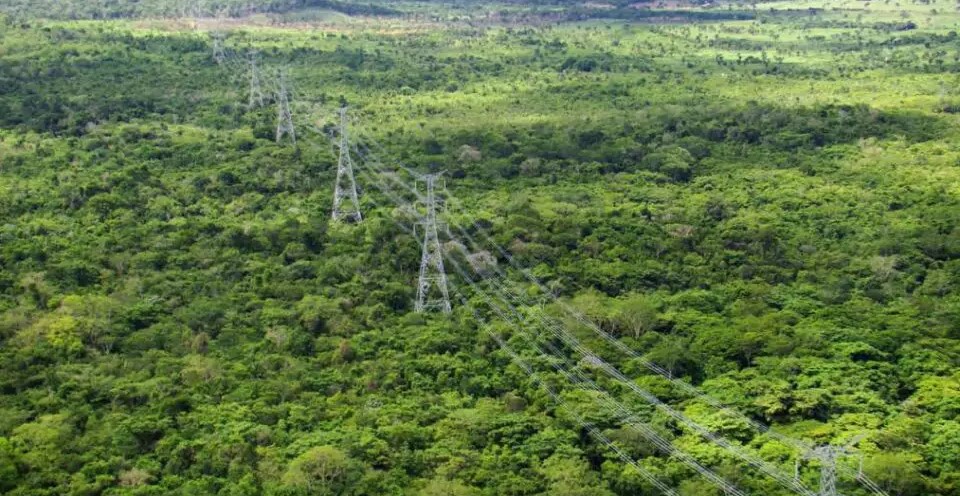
[802, 446]
[592, 430]
[627, 417]
[561, 404]
[284, 116]
[255, 96]
[828, 456]
[561, 333]
[345, 187]
[624, 415]
[607, 368]
[219, 55]
[432, 291]
[590, 357]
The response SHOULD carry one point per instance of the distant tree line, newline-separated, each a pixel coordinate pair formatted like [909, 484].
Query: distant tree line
[106, 9]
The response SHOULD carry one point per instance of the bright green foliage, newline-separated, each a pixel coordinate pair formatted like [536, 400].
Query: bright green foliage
[765, 205]
[320, 470]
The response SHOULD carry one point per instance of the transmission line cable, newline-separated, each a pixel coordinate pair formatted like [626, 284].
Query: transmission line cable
[785, 480]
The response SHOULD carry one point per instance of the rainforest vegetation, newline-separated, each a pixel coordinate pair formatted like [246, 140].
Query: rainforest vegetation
[763, 199]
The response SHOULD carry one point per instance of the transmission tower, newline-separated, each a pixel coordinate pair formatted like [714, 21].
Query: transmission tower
[219, 54]
[284, 117]
[828, 455]
[256, 93]
[345, 187]
[432, 286]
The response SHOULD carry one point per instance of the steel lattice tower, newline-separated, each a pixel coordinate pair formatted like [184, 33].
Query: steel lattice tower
[828, 455]
[346, 187]
[256, 92]
[284, 116]
[432, 291]
[219, 55]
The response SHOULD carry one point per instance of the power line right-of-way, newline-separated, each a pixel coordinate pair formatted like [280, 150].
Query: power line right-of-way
[505, 303]
[804, 448]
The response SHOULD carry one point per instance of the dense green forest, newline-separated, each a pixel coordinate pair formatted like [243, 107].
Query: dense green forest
[761, 199]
